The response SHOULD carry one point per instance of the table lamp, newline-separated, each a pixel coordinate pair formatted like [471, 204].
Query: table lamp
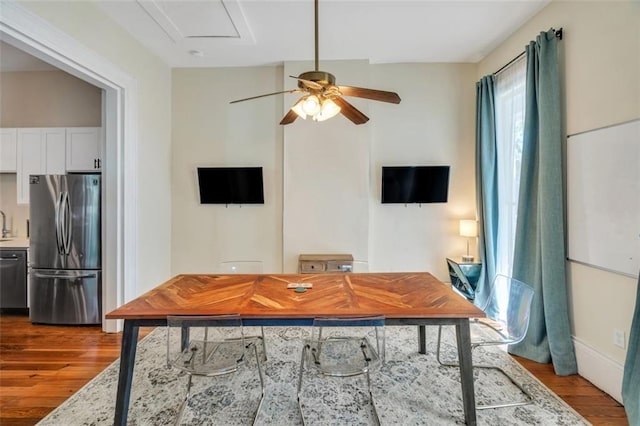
[469, 229]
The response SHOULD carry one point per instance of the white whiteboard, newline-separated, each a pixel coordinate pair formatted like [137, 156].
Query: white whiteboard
[603, 198]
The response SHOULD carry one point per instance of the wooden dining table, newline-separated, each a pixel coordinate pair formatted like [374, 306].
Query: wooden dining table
[411, 298]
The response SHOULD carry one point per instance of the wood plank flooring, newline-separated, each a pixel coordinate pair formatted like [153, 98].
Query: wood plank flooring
[41, 366]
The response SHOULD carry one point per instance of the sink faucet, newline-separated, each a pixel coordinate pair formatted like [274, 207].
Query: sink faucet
[5, 231]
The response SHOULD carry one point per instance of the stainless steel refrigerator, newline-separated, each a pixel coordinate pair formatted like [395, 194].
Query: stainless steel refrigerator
[65, 249]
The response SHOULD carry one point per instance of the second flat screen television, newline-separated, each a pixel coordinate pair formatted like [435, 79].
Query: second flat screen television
[415, 184]
[230, 185]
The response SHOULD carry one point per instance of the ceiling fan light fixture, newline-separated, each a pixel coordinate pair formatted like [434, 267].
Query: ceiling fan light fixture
[329, 109]
[324, 99]
[311, 105]
[297, 108]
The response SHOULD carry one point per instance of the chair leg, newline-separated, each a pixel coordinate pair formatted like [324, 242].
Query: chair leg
[262, 393]
[184, 401]
[440, 361]
[373, 404]
[529, 399]
[300, 374]
[264, 344]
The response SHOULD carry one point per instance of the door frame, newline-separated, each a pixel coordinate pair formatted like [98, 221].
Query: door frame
[38, 37]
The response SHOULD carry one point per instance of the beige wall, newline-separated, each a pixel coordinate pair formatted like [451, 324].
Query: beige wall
[48, 99]
[97, 32]
[322, 180]
[600, 63]
[208, 131]
[326, 175]
[434, 125]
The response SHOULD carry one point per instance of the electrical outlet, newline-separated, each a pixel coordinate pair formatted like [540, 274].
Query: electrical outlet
[619, 338]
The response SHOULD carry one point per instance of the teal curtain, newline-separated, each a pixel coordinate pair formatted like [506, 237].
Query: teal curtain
[486, 183]
[539, 251]
[631, 378]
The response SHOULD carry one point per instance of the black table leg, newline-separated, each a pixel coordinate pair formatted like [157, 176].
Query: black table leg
[125, 377]
[422, 339]
[463, 337]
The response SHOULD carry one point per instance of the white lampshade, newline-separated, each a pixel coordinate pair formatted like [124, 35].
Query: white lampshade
[468, 228]
[297, 108]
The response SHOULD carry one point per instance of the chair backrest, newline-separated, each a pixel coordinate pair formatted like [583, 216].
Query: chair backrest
[371, 327]
[241, 267]
[191, 336]
[509, 304]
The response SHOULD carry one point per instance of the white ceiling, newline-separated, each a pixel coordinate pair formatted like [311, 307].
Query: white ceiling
[264, 32]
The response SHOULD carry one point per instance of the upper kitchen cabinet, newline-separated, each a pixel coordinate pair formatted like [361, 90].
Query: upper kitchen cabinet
[8, 153]
[84, 149]
[39, 151]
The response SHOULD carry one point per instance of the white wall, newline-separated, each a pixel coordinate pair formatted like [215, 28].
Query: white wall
[600, 65]
[322, 180]
[95, 30]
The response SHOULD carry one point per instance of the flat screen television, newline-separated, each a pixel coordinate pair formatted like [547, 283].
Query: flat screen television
[230, 185]
[415, 184]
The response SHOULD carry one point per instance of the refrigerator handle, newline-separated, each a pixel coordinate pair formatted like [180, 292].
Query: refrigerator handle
[62, 276]
[67, 223]
[59, 243]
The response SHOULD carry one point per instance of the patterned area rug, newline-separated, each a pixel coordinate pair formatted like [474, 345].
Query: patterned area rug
[411, 389]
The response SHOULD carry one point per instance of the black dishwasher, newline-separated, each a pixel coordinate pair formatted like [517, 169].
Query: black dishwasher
[13, 280]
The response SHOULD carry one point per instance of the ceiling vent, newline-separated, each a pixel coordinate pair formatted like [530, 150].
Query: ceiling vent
[180, 20]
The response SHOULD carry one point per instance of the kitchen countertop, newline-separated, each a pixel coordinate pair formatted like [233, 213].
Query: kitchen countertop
[15, 243]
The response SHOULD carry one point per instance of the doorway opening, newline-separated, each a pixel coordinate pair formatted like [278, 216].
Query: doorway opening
[30, 33]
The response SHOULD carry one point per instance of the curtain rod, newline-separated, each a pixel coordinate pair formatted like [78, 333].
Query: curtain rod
[558, 36]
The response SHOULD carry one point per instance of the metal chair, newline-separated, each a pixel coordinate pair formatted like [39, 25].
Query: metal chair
[334, 349]
[247, 267]
[209, 346]
[508, 309]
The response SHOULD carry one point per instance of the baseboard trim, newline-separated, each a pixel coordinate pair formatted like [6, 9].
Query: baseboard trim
[599, 369]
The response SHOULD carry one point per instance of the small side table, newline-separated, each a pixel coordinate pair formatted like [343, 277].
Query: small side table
[464, 277]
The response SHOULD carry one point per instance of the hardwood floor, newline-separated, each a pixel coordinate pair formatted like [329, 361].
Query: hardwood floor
[41, 366]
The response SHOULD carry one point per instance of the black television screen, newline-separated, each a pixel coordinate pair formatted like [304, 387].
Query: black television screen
[230, 185]
[415, 184]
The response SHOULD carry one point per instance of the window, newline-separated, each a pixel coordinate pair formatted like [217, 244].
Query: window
[510, 91]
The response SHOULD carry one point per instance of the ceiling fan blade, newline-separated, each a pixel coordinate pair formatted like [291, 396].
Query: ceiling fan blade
[376, 95]
[289, 117]
[349, 111]
[262, 96]
[308, 83]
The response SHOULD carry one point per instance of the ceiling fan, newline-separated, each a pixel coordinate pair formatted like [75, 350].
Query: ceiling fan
[322, 98]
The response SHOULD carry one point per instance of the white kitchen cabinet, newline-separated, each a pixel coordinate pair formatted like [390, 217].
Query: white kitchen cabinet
[30, 160]
[54, 141]
[8, 150]
[84, 149]
[39, 151]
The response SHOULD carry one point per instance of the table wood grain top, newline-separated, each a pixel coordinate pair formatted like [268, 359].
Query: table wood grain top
[394, 295]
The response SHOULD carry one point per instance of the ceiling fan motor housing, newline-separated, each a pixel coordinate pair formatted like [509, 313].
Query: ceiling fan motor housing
[321, 77]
